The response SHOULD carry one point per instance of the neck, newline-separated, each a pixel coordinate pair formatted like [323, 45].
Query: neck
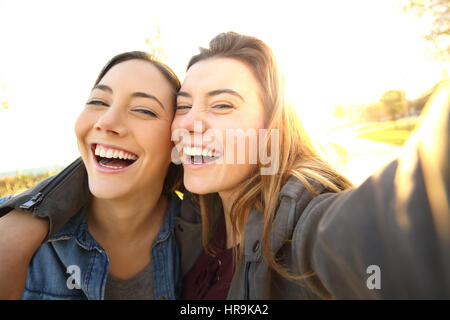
[128, 219]
[227, 201]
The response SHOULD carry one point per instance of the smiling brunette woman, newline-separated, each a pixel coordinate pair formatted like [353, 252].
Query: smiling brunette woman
[121, 245]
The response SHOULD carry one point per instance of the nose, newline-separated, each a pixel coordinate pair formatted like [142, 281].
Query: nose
[190, 127]
[192, 121]
[111, 122]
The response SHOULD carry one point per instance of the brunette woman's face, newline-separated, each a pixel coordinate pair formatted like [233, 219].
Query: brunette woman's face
[123, 132]
[219, 107]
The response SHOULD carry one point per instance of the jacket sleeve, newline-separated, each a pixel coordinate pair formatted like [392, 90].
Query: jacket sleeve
[390, 237]
[57, 198]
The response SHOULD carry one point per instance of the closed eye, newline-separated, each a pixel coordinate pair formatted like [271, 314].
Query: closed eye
[147, 112]
[98, 103]
[223, 106]
[182, 107]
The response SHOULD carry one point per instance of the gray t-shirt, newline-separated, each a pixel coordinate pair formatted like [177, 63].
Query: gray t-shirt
[140, 287]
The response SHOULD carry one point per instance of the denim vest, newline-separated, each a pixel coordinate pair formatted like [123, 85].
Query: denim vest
[72, 265]
[4, 199]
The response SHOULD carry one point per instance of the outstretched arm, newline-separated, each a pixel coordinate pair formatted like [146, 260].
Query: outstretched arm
[390, 237]
[20, 236]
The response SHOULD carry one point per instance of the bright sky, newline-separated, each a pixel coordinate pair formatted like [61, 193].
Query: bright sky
[344, 52]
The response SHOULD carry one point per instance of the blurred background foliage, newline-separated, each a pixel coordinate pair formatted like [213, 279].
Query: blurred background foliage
[16, 184]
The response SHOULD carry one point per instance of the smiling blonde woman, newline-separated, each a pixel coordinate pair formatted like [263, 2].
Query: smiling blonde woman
[302, 232]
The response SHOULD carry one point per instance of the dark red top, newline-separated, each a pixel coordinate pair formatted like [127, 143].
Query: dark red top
[210, 276]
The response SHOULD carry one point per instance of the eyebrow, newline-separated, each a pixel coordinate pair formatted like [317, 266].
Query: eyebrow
[103, 87]
[134, 94]
[148, 96]
[183, 94]
[212, 93]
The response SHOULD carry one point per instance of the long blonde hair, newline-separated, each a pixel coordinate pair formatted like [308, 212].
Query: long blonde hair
[297, 155]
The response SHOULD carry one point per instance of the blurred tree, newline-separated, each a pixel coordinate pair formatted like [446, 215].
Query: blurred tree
[439, 13]
[393, 102]
[373, 111]
[154, 42]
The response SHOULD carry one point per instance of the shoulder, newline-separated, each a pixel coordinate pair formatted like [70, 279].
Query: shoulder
[296, 196]
[49, 268]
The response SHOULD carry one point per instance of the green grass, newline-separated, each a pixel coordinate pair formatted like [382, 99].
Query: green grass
[374, 125]
[385, 132]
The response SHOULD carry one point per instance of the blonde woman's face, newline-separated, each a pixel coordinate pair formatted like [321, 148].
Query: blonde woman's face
[123, 132]
[219, 113]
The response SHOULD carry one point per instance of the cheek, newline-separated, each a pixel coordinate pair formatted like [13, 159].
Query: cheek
[242, 134]
[242, 151]
[158, 142]
[82, 126]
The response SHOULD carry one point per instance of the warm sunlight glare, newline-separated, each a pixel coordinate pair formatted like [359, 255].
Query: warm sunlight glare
[331, 53]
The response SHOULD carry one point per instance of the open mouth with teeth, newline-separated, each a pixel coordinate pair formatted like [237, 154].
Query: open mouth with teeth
[196, 155]
[113, 158]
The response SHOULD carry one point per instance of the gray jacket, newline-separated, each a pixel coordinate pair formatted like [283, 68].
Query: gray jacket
[347, 240]
[387, 239]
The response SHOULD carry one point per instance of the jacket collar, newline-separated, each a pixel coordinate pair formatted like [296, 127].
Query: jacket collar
[173, 210]
[77, 227]
[293, 197]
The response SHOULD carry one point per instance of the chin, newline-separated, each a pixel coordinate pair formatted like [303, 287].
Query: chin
[198, 189]
[200, 186]
[106, 191]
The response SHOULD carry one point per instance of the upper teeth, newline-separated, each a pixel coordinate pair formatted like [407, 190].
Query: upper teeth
[197, 151]
[113, 153]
